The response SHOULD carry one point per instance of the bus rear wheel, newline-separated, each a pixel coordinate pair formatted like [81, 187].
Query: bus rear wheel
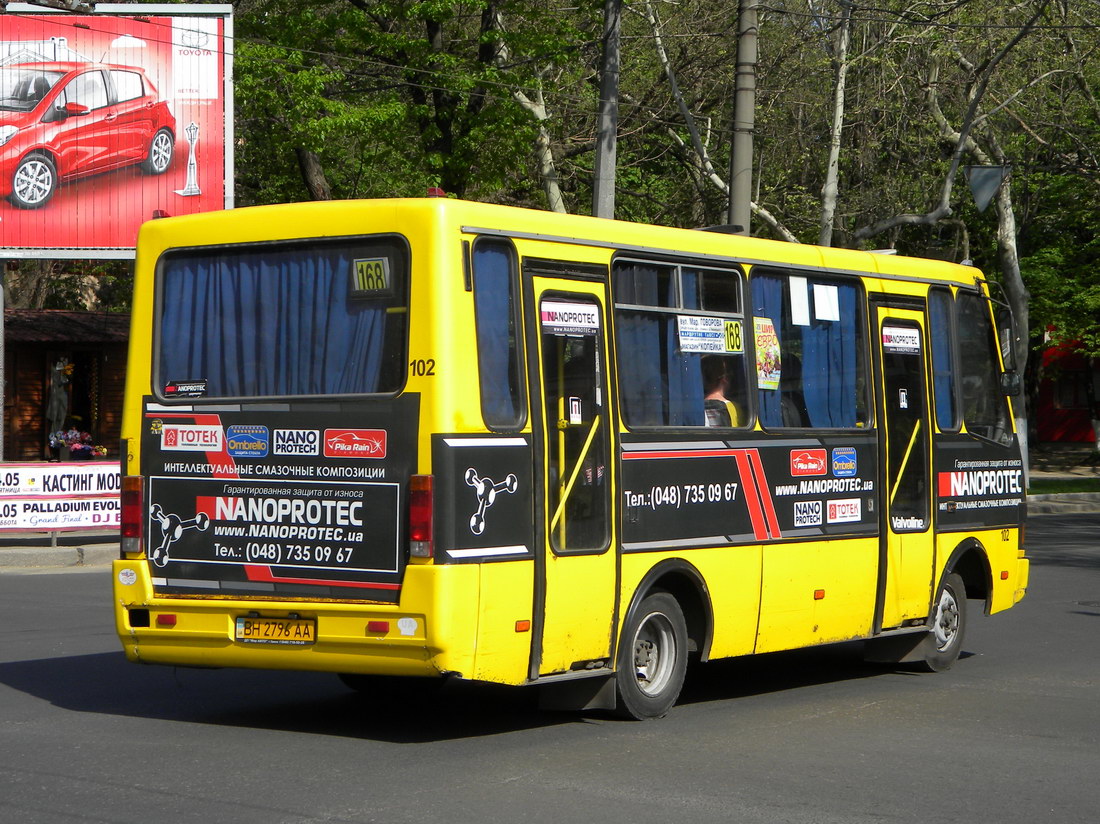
[941, 647]
[652, 658]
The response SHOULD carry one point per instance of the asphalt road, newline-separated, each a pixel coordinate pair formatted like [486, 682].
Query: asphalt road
[1010, 734]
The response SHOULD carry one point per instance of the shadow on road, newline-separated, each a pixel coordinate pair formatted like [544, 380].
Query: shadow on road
[318, 703]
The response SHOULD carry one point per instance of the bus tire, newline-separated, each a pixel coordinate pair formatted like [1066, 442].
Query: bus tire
[652, 658]
[941, 647]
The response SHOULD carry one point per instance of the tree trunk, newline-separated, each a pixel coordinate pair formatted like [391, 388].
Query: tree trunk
[313, 175]
[832, 169]
[603, 187]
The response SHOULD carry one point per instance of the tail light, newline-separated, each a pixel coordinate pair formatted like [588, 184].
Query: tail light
[420, 516]
[131, 515]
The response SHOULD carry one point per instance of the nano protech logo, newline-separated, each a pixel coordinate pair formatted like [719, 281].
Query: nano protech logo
[296, 442]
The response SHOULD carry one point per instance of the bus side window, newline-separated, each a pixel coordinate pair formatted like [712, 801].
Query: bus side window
[503, 400]
[944, 377]
[811, 352]
[984, 408]
[667, 375]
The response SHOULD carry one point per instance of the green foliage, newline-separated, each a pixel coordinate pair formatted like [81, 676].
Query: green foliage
[392, 96]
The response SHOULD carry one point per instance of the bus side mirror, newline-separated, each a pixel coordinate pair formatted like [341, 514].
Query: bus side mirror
[1011, 384]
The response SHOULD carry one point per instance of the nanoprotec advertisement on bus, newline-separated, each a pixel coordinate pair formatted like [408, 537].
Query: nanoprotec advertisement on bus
[745, 492]
[303, 503]
[108, 120]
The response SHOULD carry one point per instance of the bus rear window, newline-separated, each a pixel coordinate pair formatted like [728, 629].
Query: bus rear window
[304, 319]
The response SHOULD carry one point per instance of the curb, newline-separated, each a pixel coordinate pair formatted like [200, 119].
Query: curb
[42, 557]
[1064, 504]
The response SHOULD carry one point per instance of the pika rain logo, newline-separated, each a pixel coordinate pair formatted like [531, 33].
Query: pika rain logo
[355, 443]
[808, 462]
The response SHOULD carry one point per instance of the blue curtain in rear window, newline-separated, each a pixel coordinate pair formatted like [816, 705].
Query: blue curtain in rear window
[270, 323]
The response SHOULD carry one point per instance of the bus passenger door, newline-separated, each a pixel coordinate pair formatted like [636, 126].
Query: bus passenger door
[907, 546]
[572, 424]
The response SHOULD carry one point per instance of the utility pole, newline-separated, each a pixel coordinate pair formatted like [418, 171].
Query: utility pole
[744, 118]
[603, 186]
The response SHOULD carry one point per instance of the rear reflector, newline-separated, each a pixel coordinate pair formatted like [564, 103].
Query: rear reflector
[166, 620]
[130, 518]
[420, 516]
[378, 627]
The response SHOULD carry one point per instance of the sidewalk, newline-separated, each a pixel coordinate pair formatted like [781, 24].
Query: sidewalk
[32, 550]
[1064, 462]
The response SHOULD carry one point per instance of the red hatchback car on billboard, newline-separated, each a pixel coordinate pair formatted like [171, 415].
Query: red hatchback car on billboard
[61, 121]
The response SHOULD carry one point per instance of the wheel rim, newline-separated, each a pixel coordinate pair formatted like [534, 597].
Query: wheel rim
[654, 653]
[946, 624]
[160, 153]
[33, 181]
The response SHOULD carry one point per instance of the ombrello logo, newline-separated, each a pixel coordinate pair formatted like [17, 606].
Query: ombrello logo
[246, 440]
[844, 461]
[355, 443]
[808, 461]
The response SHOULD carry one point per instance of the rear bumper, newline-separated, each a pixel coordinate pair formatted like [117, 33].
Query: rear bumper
[382, 639]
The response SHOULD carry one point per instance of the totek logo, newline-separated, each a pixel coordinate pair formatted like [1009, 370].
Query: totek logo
[807, 513]
[296, 442]
[843, 511]
[808, 462]
[355, 443]
[183, 437]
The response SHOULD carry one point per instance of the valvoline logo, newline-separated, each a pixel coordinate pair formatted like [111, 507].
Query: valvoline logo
[844, 462]
[355, 443]
[808, 462]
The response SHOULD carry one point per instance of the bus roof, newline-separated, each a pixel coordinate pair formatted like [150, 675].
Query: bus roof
[347, 218]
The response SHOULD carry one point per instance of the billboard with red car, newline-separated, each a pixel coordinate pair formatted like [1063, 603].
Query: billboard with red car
[110, 119]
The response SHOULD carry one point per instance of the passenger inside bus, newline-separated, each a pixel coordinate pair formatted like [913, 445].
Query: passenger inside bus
[718, 408]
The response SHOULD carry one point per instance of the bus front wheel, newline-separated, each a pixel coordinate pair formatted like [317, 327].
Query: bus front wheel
[652, 658]
[941, 647]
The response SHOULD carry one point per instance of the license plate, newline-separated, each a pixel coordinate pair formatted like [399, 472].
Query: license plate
[276, 630]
